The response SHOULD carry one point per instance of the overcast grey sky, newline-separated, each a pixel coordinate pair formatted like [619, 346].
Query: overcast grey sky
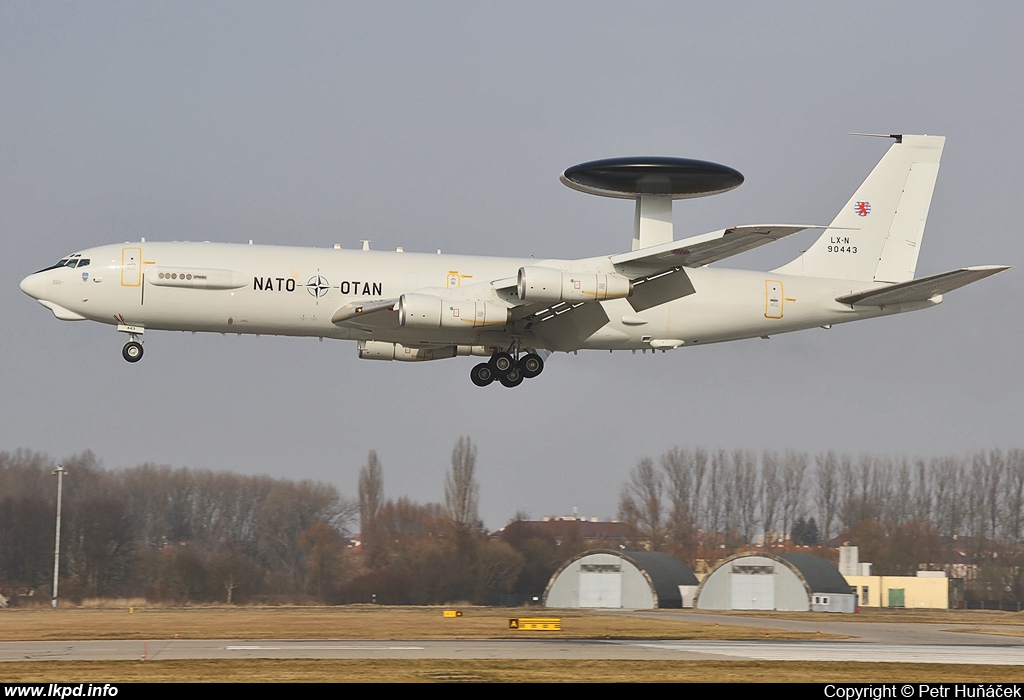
[446, 125]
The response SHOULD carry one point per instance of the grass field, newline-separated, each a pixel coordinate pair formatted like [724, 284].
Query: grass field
[351, 622]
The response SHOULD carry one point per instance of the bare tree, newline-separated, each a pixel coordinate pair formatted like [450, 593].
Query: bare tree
[1014, 495]
[640, 504]
[949, 508]
[872, 499]
[727, 480]
[461, 490]
[827, 494]
[745, 481]
[794, 474]
[716, 493]
[900, 503]
[680, 468]
[923, 493]
[371, 491]
[993, 493]
[849, 510]
[771, 495]
[700, 467]
[975, 483]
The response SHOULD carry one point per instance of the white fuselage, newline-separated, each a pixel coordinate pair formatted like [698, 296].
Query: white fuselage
[232, 288]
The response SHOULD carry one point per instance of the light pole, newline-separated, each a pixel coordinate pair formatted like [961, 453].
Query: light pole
[59, 471]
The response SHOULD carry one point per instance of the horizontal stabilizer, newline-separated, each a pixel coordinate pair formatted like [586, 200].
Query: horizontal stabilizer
[921, 289]
[362, 308]
[704, 249]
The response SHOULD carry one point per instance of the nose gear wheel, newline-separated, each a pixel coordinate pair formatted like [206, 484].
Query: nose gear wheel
[132, 351]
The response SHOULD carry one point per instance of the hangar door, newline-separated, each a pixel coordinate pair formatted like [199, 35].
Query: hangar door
[752, 587]
[600, 586]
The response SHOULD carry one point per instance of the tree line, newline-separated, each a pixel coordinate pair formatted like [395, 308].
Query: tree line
[151, 531]
[194, 535]
[963, 514]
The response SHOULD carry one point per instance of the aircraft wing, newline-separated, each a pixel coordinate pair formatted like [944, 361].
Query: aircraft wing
[921, 289]
[701, 250]
[658, 274]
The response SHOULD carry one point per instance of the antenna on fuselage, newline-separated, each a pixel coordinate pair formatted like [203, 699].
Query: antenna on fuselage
[653, 182]
[366, 245]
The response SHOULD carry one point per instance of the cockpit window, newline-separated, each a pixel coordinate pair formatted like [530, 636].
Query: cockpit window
[70, 261]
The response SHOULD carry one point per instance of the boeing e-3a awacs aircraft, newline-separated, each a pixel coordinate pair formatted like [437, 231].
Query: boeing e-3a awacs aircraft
[661, 295]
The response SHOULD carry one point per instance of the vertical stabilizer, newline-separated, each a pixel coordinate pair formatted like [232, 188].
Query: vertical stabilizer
[877, 235]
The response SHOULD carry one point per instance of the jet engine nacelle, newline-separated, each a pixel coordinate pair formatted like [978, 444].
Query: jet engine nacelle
[379, 350]
[548, 285]
[428, 311]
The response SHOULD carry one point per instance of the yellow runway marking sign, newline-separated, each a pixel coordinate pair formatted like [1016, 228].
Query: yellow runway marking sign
[452, 613]
[552, 624]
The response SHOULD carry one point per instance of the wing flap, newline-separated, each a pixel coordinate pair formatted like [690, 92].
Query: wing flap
[921, 289]
[654, 291]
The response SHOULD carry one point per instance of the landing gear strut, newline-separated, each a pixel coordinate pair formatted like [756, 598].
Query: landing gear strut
[508, 368]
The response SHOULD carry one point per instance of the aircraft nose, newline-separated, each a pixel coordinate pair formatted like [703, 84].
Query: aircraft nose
[33, 285]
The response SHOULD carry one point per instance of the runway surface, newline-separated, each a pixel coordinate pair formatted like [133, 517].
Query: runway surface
[511, 649]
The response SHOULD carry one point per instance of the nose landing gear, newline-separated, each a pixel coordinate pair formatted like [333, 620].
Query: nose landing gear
[132, 351]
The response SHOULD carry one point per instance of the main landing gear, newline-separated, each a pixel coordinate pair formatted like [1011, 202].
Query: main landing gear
[508, 370]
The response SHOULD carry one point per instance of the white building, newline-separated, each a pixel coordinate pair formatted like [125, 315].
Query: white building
[765, 581]
[610, 579]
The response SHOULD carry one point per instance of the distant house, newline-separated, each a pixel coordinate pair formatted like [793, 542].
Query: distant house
[929, 589]
[610, 531]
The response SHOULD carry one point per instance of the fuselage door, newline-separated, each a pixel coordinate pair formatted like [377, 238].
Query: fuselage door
[131, 267]
[772, 299]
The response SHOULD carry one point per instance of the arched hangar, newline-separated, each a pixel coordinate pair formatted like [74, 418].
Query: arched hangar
[605, 578]
[792, 581]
